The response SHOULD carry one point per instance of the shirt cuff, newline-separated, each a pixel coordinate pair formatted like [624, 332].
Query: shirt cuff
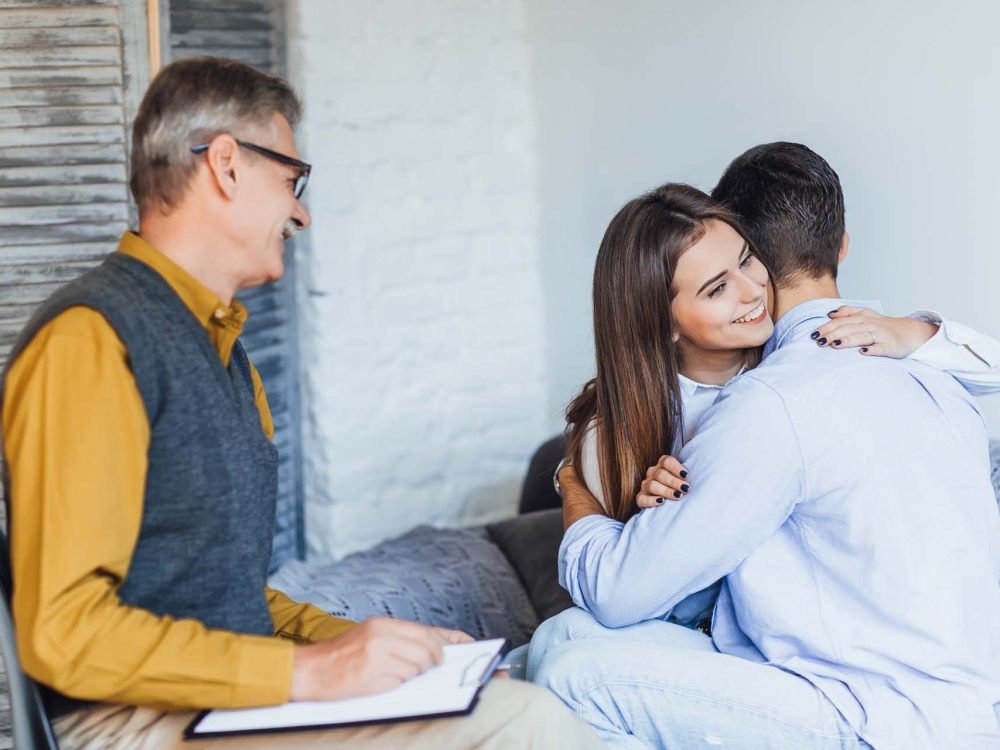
[928, 316]
[939, 350]
[264, 676]
[331, 627]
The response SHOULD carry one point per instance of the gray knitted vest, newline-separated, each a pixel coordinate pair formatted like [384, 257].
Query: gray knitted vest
[209, 510]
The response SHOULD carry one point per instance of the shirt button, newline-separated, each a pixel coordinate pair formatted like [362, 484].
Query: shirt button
[220, 314]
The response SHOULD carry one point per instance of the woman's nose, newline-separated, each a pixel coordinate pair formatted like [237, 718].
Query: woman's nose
[749, 288]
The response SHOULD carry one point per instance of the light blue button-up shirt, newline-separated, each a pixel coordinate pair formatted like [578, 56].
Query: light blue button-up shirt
[846, 500]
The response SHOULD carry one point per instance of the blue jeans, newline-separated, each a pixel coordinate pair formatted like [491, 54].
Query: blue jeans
[660, 685]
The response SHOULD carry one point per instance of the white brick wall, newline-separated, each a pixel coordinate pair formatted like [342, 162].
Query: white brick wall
[422, 340]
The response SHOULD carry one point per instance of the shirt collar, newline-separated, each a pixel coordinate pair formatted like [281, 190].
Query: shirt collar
[690, 387]
[200, 300]
[809, 312]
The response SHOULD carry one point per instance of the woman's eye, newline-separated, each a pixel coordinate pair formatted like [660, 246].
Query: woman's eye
[746, 261]
[716, 292]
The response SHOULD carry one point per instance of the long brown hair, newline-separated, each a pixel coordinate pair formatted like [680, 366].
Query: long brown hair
[634, 401]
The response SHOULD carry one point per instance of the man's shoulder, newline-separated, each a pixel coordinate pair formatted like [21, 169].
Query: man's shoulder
[803, 368]
[765, 381]
[78, 322]
[753, 394]
[808, 379]
[76, 329]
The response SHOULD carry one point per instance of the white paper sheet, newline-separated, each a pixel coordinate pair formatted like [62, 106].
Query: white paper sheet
[448, 688]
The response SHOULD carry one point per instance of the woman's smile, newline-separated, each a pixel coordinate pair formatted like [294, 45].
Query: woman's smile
[757, 315]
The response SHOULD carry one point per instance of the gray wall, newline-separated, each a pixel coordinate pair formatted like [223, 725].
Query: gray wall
[901, 98]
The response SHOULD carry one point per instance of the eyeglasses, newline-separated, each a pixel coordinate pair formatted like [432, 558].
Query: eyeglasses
[304, 169]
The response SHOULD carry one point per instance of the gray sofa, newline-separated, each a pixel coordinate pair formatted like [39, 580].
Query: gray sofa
[498, 580]
[494, 581]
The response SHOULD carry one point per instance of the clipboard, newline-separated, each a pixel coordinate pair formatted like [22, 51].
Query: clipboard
[448, 690]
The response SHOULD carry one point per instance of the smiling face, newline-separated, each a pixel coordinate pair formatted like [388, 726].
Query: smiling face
[720, 293]
[267, 212]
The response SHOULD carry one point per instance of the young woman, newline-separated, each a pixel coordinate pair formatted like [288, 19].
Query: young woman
[682, 304]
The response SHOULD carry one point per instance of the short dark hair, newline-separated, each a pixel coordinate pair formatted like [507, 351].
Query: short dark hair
[190, 102]
[790, 202]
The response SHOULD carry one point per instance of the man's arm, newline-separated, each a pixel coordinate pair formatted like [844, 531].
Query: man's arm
[578, 503]
[746, 474]
[76, 439]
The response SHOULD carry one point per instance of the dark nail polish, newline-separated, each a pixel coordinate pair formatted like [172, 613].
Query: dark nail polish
[821, 341]
[684, 475]
[814, 335]
[864, 349]
[837, 342]
[659, 501]
[831, 312]
[677, 494]
[685, 487]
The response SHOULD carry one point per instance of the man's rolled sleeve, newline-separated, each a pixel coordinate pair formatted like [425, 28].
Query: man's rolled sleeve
[969, 356]
[577, 568]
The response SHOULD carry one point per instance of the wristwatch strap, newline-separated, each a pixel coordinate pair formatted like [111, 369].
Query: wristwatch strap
[555, 477]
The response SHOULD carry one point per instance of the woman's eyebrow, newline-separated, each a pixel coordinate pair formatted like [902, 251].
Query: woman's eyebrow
[712, 281]
[746, 248]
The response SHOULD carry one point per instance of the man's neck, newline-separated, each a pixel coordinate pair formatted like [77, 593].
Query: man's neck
[802, 290]
[191, 244]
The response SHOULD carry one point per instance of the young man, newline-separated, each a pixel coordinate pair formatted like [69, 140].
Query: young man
[846, 502]
[141, 476]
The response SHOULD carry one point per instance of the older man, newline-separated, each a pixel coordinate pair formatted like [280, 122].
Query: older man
[141, 475]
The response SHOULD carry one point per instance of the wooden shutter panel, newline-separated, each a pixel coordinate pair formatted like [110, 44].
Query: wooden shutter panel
[252, 31]
[72, 73]
[68, 86]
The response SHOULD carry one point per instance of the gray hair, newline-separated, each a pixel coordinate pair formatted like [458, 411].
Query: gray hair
[189, 103]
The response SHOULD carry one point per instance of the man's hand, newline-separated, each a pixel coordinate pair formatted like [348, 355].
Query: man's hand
[376, 656]
[878, 335]
[577, 501]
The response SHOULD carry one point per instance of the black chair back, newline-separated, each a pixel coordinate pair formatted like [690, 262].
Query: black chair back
[31, 726]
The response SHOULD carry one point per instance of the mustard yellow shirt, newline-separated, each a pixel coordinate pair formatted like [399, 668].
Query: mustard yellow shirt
[76, 439]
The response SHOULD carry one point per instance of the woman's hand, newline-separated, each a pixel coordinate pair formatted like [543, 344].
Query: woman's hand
[878, 335]
[668, 480]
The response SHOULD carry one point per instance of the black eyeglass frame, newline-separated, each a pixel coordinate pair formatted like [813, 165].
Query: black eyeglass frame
[304, 169]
